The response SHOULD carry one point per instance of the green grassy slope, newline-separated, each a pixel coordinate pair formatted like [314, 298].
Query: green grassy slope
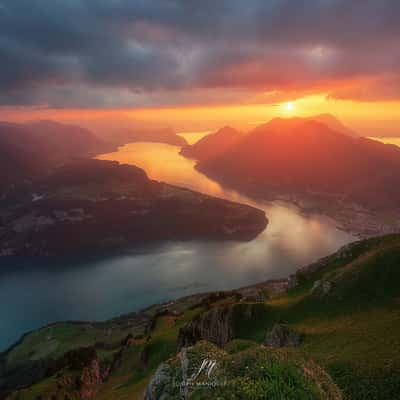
[347, 307]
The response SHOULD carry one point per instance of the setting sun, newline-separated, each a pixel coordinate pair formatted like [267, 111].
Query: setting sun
[289, 106]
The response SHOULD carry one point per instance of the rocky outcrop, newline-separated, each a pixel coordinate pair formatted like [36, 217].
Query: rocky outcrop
[78, 372]
[159, 383]
[214, 326]
[92, 376]
[321, 287]
[219, 325]
[282, 336]
[205, 371]
[178, 377]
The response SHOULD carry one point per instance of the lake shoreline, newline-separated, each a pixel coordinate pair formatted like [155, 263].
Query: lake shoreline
[273, 286]
[100, 288]
[352, 218]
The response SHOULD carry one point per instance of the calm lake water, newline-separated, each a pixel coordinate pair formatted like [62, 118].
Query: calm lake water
[34, 295]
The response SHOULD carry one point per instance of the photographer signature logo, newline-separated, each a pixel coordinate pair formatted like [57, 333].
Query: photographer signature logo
[203, 375]
[206, 368]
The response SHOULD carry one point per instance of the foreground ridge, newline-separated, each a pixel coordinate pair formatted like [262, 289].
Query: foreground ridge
[341, 326]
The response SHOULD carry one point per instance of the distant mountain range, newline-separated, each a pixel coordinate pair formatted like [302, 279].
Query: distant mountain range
[56, 200]
[224, 139]
[27, 149]
[302, 156]
[136, 134]
[50, 137]
[314, 161]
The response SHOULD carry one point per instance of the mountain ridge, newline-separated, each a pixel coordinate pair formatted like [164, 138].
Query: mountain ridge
[352, 179]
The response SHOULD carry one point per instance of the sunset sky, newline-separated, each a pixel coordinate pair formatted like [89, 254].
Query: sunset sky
[199, 64]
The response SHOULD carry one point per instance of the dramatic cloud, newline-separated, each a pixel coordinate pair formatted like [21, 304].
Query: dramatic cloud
[132, 53]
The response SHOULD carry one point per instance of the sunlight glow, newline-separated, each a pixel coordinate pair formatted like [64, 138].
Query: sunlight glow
[384, 121]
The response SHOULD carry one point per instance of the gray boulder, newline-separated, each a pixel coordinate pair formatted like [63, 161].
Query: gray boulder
[321, 288]
[282, 336]
[157, 389]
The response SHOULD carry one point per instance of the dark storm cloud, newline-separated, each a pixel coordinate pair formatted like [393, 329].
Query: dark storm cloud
[52, 51]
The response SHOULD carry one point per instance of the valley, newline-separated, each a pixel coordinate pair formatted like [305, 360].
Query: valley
[92, 359]
[199, 200]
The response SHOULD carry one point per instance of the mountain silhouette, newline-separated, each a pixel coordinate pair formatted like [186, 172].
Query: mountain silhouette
[33, 148]
[213, 145]
[302, 155]
[333, 123]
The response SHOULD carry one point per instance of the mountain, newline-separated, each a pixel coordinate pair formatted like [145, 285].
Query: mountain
[333, 123]
[329, 331]
[156, 135]
[122, 129]
[213, 145]
[88, 206]
[51, 139]
[19, 155]
[65, 139]
[56, 200]
[30, 149]
[16, 164]
[302, 156]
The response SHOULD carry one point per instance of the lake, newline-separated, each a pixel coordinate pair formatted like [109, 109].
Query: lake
[33, 294]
